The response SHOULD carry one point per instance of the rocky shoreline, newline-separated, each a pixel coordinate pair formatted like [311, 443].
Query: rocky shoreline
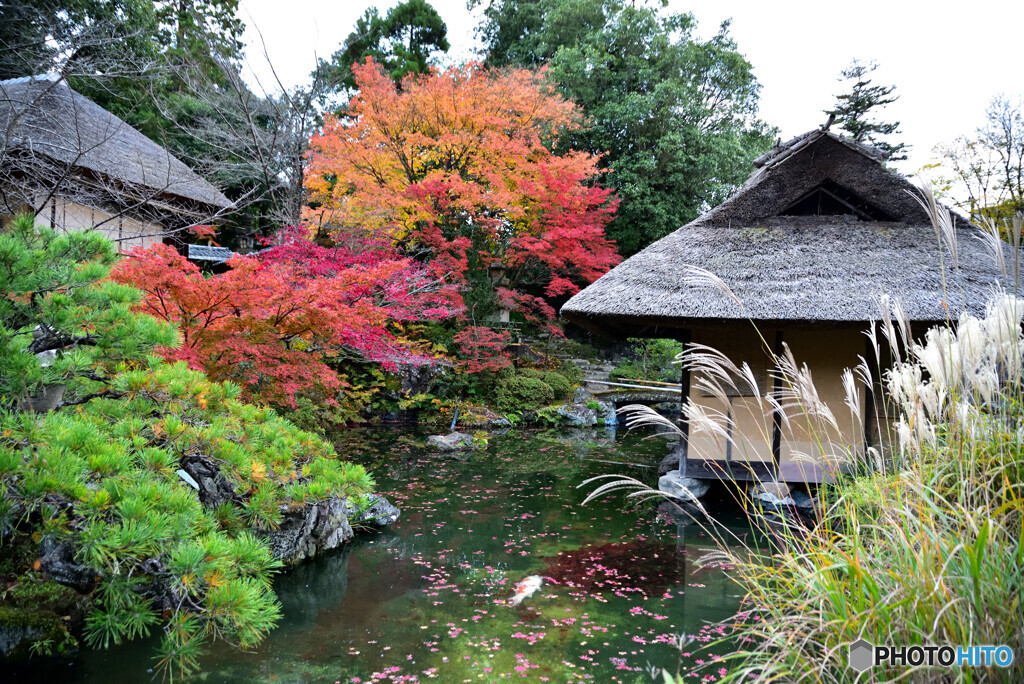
[52, 609]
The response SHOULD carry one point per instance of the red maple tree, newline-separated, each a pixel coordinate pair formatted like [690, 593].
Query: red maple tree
[278, 323]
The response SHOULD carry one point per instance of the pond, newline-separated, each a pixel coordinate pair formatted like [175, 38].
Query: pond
[428, 597]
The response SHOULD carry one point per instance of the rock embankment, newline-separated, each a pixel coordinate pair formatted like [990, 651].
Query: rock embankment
[305, 530]
[313, 529]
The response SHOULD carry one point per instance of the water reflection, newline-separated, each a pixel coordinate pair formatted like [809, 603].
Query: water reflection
[428, 599]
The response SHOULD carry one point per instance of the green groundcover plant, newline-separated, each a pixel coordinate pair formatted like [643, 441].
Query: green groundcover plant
[92, 486]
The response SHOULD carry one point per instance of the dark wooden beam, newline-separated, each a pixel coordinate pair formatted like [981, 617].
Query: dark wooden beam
[754, 471]
[869, 397]
[776, 392]
[685, 337]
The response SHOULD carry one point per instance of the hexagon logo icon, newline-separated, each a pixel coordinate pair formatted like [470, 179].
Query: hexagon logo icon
[861, 655]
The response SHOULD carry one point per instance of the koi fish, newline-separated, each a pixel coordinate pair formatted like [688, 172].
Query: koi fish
[527, 588]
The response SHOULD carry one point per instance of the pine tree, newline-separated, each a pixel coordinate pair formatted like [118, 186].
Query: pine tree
[852, 109]
[402, 41]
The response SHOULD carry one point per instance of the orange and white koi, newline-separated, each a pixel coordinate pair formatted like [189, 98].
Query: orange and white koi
[527, 588]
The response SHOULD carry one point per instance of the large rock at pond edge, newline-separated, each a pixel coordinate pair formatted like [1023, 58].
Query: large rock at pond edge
[578, 415]
[772, 494]
[806, 504]
[379, 512]
[682, 488]
[455, 441]
[305, 531]
[311, 530]
[582, 395]
[607, 413]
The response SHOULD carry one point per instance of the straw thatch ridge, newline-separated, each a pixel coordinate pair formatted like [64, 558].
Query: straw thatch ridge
[795, 168]
[44, 116]
[817, 269]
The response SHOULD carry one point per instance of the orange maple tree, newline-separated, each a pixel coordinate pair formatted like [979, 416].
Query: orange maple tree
[456, 169]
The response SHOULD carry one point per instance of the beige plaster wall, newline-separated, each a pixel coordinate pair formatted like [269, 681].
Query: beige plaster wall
[752, 428]
[826, 352]
[127, 233]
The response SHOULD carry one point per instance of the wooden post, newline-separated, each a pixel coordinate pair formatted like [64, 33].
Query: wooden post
[776, 416]
[684, 395]
[869, 397]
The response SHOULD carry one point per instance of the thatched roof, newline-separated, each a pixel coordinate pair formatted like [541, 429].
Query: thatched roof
[786, 262]
[44, 116]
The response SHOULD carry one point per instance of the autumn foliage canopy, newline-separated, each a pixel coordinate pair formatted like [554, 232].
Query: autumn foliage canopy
[278, 323]
[455, 169]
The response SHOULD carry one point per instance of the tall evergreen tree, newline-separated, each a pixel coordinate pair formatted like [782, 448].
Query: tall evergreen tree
[76, 36]
[852, 110]
[674, 117]
[402, 41]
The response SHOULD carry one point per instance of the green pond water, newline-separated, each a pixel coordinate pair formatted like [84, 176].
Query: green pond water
[427, 599]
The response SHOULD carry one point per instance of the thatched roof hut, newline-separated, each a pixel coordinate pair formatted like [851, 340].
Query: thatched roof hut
[818, 232]
[58, 146]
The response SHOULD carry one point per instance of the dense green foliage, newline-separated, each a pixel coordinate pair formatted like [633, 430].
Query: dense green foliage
[99, 35]
[80, 331]
[674, 116]
[401, 41]
[650, 359]
[95, 483]
[530, 388]
[520, 393]
[852, 110]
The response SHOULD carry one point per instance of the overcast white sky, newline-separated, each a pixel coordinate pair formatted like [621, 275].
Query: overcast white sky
[946, 64]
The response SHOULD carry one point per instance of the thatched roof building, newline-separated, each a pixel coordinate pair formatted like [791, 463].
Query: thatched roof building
[59, 148]
[818, 232]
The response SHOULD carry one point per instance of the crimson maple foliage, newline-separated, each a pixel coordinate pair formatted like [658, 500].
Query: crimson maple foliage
[275, 323]
[483, 349]
[456, 169]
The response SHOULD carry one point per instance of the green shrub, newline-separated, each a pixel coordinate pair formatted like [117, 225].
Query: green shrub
[561, 386]
[522, 393]
[572, 373]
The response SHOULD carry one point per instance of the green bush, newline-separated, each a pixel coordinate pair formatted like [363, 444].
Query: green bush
[561, 386]
[650, 360]
[572, 373]
[522, 393]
